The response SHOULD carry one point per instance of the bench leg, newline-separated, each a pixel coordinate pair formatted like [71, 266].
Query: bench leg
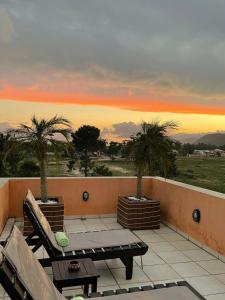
[94, 286]
[36, 247]
[29, 237]
[86, 289]
[128, 262]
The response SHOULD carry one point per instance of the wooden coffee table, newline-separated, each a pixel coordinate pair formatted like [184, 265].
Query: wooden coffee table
[87, 274]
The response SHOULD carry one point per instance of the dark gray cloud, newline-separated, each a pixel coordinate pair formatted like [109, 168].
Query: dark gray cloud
[122, 130]
[125, 130]
[167, 43]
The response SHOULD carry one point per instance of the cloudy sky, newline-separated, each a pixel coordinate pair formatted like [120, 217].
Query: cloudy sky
[114, 63]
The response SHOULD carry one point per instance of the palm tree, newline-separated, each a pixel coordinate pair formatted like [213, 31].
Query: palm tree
[39, 137]
[150, 148]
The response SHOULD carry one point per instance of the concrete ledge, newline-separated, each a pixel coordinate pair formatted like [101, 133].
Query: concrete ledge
[191, 187]
[80, 177]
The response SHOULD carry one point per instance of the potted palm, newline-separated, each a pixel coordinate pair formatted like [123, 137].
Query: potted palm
[148, 150]
[39, 138]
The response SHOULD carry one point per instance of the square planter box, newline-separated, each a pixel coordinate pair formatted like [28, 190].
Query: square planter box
[54, 213]
[137, 214]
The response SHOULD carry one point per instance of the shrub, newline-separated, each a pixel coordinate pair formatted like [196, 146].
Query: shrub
[101, 170]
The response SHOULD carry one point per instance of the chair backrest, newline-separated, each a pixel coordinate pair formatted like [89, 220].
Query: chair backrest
[41, 225]
[28, 270]
[9, 280]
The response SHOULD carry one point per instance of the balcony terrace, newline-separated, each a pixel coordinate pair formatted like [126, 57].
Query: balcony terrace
[180, 250]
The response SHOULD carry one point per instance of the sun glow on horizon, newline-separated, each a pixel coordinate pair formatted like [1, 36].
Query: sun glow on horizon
[16, 112]
[141, 103]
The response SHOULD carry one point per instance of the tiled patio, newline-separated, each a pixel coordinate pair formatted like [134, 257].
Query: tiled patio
[171, 257]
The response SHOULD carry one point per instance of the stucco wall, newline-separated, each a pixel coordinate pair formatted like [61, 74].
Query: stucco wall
[103, 192]
[178, 201]
[4, 202]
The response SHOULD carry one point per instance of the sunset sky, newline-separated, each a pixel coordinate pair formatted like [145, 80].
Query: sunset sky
[114, 63]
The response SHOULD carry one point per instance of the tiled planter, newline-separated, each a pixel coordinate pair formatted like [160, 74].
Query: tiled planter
[54, 214]
[138, 214]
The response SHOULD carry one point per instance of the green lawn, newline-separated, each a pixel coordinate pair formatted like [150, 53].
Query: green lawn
[60, 169]
[203, 172]
[118, 167]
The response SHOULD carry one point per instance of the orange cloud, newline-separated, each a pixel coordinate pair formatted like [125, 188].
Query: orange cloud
[129, 102]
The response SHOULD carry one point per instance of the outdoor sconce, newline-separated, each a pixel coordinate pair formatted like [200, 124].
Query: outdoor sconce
[196, 215]
[85, 196]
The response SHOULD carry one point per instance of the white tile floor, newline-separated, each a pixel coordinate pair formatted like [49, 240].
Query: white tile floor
[170, 258]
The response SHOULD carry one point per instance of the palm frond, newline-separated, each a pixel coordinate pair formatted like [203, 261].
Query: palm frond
[62, 131]
[151, 144]
[58, 121]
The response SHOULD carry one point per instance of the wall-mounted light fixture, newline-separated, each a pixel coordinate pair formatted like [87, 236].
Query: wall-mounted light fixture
[85, 196]
[196, 215]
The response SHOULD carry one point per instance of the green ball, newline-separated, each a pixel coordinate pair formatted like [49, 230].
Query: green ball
[78, 298]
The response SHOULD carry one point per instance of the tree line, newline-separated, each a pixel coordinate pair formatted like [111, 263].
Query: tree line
[25, 151]
[85, 143]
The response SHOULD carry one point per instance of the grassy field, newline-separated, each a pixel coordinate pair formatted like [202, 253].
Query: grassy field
[118, 167]
[60, 169]
[205, 172]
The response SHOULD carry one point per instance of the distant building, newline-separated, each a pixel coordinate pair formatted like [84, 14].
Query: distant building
[219, 152]
[207, 153]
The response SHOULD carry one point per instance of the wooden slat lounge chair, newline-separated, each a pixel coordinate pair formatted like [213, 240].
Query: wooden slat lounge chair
[98, 245]
[23, 278]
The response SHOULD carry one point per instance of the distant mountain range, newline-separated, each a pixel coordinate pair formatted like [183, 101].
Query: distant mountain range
[215, 138]
[187, 137]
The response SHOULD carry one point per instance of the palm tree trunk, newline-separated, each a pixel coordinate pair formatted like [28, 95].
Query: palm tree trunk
[139, 185]
[43, 181]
